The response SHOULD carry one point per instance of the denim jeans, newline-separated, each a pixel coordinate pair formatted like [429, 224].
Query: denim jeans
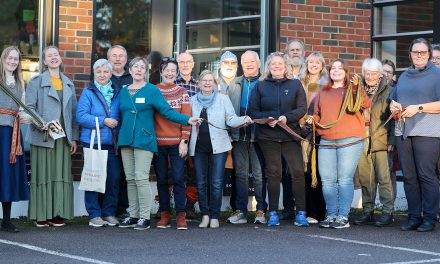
[245, 157]
[107, 207]
[137, 165]
[337, 167]
[418, 157]
[177, 174]
[209, 170]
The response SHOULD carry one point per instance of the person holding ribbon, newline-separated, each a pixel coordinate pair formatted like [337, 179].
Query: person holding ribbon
[51, 95]
[417, 97]
[13, 174]
[342, 129]
[282, 98]
[210, 143]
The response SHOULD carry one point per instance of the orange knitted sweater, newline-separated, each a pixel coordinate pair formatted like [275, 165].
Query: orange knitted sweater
[167, 132]
[327, 106]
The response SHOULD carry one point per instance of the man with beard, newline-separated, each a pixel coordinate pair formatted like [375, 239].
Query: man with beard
[296, 52]
[117, 56]
[228, 71]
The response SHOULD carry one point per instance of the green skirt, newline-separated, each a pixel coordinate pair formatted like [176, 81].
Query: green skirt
[51, 185]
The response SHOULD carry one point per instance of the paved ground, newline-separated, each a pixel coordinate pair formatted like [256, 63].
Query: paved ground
[77, 243]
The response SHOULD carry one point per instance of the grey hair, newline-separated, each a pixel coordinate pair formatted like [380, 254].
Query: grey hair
[185, 52]
[266, 72]
[102, 62]
[145, 61]
[116, 47]
[303, 46]
[372, 64]
[257, 57]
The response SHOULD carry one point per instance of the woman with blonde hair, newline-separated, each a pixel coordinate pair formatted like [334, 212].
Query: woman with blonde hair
[52, 96]
[13, 176]
[314, 76]
[280, 97]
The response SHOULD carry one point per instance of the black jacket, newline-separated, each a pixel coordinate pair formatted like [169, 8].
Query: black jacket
[274, 98]
[124, 79]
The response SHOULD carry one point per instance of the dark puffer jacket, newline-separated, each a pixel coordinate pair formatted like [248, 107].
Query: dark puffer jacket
[274, 98]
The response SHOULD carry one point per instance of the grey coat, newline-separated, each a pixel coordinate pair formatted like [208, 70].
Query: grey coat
[43, 99]
[222, 115]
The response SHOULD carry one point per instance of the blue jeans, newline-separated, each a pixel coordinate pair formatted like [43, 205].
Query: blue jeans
[177, 174]
[95, 206]
[337, 167]
[245, 157]
[209, 170]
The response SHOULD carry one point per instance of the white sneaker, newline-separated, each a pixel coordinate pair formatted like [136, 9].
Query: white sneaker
[260, 217]
[214, 223]
[237, 218]
[97, 222]
[111, 220]
[205, 222]
[312, 220]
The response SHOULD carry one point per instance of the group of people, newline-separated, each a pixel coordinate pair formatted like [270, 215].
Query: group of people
[299, 123]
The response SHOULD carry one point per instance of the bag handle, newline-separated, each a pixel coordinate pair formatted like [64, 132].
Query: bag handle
[115, 142]
[98, 132]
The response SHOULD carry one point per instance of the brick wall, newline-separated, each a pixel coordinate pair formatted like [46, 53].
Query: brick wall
[75, 43]
[337, 29]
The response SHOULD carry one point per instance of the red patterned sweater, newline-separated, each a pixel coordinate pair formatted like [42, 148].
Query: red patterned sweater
[167, 132]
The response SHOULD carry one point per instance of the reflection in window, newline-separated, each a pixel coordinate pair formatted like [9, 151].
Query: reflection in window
[211, 9]
[406, 17]
[125, 23]
[19, 27]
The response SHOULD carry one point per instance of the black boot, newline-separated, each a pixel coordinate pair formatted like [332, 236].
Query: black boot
[385, 220]
[6, 223]
[364, 219]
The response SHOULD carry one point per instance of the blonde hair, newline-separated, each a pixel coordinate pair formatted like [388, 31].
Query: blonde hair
[17, 72]
[305, 71]
[266, 72]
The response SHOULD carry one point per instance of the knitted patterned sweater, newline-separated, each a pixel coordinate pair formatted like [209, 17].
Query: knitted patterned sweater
[169, 133]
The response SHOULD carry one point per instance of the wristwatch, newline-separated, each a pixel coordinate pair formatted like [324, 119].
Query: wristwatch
[420, 109]
[184, 141]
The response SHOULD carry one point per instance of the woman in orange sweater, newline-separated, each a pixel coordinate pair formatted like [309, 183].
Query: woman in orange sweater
[337, 165]
[172, 141]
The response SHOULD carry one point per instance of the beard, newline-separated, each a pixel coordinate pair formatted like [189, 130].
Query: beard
[228, 74]
[296, 61]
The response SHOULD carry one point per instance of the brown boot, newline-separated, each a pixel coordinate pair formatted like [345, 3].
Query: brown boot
[164, 221]
[181, 221]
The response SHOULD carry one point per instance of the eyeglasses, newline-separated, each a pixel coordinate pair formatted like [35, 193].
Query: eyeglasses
[370, 74]
[207, 81]
[435, 59]
[170, 71]
[419, 53]
[185, 62]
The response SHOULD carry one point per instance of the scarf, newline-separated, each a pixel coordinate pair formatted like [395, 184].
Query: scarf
[371, 90]
[206, 100]
[106, 90]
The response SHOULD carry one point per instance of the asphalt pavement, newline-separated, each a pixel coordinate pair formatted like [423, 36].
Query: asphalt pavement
[247, 243]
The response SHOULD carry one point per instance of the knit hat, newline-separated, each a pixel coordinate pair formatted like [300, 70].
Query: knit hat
[228, 55]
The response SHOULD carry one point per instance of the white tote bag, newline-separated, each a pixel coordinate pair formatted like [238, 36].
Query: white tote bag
[94, 173]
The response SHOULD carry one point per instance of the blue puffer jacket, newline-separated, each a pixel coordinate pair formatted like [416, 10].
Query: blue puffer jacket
[88, 107]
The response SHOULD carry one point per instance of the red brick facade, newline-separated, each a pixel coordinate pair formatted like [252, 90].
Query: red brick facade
[337, 29]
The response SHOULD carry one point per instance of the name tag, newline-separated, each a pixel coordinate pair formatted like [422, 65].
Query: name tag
[140, 100]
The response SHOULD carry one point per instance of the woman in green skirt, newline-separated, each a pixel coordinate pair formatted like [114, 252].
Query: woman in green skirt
[52, 96]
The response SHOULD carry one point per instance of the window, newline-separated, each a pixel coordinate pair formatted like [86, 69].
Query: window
[397, 23]
[213, 26]
[126, 23]
[20, 27]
